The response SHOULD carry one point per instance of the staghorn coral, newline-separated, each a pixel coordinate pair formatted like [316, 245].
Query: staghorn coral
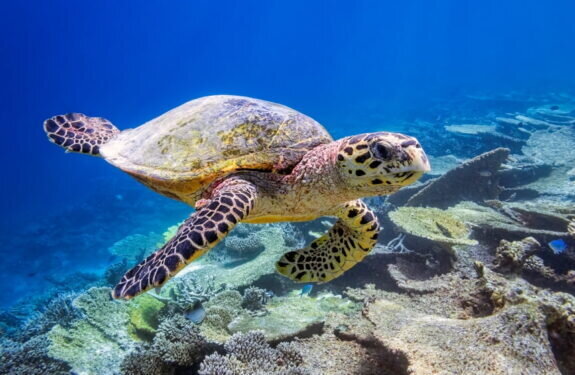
[431, 224]
[248, 353]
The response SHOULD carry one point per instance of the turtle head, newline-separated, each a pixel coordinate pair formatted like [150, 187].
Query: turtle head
[380, 163]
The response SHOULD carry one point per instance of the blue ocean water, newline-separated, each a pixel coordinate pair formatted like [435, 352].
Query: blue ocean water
[131, 61]
[353, 66]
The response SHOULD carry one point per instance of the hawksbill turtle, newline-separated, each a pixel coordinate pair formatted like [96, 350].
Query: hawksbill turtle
[237, 159]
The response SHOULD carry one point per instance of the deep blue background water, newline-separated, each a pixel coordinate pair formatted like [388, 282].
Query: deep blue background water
[129, 61]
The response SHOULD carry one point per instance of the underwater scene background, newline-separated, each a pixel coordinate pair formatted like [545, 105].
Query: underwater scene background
[474, 270]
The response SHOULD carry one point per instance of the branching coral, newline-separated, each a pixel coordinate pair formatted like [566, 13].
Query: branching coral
[220, 310]
[188, 290]
[179, 342]
[246, 243]
[255, 298]
[30, 357]
[59, 310]
[248, 353]
[145, 361]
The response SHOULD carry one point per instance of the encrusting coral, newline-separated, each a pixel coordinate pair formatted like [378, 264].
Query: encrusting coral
[511, 256]
[293, 316]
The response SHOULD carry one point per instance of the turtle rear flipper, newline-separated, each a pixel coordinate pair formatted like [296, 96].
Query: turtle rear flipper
[202, 231]
[76, 132]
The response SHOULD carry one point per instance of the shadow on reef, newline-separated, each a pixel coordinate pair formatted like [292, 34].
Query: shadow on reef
[474, 272]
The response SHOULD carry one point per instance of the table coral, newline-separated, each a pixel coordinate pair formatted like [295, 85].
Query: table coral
[432, 224]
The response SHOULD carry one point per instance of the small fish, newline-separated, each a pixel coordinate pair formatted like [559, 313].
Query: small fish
[558, 246]
[196, 315]
[306, 290]
[554, 107]
[485, 174]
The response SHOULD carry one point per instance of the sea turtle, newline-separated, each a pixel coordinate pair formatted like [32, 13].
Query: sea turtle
[241, 159]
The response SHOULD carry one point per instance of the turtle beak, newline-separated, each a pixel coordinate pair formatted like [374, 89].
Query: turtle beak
[419, 160]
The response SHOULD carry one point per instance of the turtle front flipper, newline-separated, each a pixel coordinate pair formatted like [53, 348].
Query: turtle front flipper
[76, 132]
[199, 233]
[342, 247]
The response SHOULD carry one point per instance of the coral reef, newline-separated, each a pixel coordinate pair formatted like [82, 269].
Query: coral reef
[186, 291]
[494, 225]
[178, 343]
[431, 224]
[144, 313]
[220, 311]
[512, 333]
[292, 316]
[135, 247]
[30, 357]
[249, 353]
[510, 257]
[474, 180]
[103, 329]
[255, 298]
[463, 281]
[145, 361]
[59, 310]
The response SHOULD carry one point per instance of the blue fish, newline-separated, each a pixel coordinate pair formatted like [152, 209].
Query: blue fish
[558, 246]
[196, 315]
[306, 290]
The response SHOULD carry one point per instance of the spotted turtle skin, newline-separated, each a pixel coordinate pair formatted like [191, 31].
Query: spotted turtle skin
[238, 159]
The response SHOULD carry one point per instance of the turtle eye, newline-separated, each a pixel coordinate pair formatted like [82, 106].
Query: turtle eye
[381, 151]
